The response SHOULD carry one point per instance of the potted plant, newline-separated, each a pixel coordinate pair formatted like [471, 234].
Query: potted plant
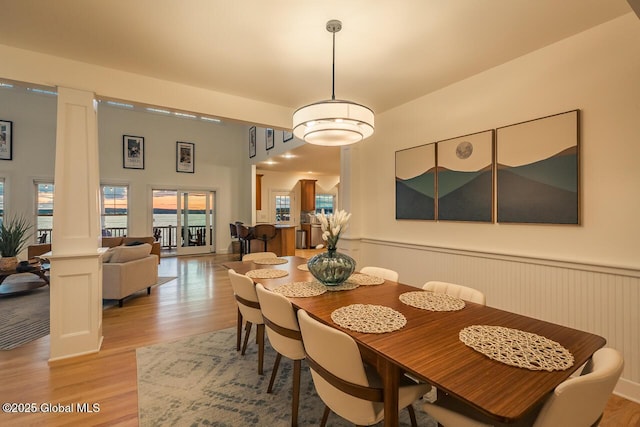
[14, 234]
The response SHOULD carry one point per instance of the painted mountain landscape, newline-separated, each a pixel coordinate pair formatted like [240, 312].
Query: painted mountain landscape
[542, 192]
[465, 196]
[414, 197]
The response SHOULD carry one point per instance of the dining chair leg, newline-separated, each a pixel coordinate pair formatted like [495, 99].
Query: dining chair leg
[276, 364]
[295, 400]
[247, 332]
[239, 331]
[412, 415]
[260, 333]
[325, 416]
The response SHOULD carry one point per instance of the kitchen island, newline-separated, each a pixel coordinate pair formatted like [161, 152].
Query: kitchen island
[283, 244]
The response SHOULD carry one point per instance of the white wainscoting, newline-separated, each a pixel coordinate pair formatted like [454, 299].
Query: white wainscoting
[599, 299]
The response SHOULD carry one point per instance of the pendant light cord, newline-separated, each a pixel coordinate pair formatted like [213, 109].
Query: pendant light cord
[333, 70]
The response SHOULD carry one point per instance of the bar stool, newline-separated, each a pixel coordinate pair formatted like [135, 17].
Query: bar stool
[265, 232]
[245, 235]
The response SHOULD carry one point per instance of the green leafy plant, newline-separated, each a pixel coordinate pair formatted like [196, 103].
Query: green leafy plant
[14, 234]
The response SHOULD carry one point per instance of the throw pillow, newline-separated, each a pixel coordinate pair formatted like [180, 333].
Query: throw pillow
[130, 253]
[106, 257]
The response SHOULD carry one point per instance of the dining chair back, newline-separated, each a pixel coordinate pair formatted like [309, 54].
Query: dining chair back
[259, 255]
[576, 402]
[463, 292]
[385, 273]
[248, 309]
[284, 335]
[345, 384]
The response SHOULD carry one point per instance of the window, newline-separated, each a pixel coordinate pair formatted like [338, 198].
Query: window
[283, 208]
[324, 201]
[115, 209]
[44, 211]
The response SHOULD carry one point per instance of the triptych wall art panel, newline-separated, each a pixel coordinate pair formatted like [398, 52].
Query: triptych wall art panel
[415, 182]
[533, 167]
[465, 178]
[538, 170]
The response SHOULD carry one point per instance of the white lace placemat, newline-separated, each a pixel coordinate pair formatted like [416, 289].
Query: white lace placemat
[344, 286]
[270, 261]
[368, 318]
[303, 267]
[301, 289]
[432, 301]
[266, 273]
[517, 348]
[365, 279]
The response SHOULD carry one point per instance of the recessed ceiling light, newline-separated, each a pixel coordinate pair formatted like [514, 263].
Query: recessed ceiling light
[288, 156]
[210, 119]
[185, 115]
[158, 110]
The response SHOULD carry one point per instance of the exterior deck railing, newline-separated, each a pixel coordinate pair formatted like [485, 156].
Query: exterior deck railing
[166, 235]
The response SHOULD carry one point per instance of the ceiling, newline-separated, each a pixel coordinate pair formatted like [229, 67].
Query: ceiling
[388, 52]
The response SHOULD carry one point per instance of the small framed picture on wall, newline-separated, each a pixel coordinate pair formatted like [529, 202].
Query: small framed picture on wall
[286, 136]
[252, 141]
[269, 138]
[132, 152]
[185, 157]
[6, 140]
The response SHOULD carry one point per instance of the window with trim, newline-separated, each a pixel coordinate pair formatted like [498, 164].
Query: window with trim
[283, 208]
[324, 201]
[44, 211]
[115, 209]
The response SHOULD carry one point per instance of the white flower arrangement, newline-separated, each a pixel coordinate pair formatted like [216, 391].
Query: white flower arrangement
[332, 225]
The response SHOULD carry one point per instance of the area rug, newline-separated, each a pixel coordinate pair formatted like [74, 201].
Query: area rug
[24, 317]
[202, 381]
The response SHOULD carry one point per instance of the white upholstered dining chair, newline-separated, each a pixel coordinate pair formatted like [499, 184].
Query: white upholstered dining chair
[258, 255]
[345, 384]
[385, 273]
[248, 309]
[463, 292]
[577, 402]
[284, 335]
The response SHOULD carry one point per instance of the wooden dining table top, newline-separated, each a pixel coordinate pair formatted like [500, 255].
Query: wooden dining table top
[428, 346]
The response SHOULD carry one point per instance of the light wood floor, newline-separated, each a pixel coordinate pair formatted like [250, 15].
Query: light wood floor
[199, 301]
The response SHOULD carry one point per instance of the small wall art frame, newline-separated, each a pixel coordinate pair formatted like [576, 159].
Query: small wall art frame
[415, 182]
[268, 137]
[132, 152]
[185, 157]
[538, 170]
[252, 141]
[6, 140]
[286, 136]
[465, 178]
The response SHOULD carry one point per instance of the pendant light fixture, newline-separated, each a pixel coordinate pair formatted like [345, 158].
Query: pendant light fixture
[334, 121]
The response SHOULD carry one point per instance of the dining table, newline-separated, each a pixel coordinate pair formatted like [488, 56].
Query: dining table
[429, 347]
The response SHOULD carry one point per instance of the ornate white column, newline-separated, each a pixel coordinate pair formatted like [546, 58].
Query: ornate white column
[76, 267]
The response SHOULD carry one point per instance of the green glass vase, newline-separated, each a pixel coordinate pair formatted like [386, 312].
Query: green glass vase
[332, 267]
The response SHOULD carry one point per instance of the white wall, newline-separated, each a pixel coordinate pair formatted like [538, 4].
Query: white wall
[221, 164]
[597, 72]
[34, 147]
[221, 158]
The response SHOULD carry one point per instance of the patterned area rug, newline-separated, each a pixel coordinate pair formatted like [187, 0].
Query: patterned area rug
[203, 381]
[24, 317]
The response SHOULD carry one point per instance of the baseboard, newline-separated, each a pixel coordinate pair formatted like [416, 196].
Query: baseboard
[628, 389]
